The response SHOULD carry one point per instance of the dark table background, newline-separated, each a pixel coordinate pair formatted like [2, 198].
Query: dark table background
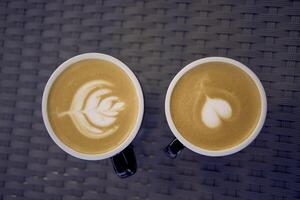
[155, 39]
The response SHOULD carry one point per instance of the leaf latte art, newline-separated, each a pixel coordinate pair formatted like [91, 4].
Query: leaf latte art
[94, 109]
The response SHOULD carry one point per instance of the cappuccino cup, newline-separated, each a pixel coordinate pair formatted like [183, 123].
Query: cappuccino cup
[92, 108]
[214, 106]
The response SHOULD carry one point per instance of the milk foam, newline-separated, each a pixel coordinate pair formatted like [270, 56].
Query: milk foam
[94, 111]
[214, 110]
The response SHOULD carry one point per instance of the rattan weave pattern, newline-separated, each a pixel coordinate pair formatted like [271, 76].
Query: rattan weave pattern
[156, 39]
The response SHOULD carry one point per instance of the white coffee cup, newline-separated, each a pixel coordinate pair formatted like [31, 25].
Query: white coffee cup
[197, 149]
[139, 92]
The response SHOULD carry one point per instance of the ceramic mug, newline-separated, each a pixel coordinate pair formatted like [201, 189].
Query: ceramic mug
[177, 144]
[123, 157]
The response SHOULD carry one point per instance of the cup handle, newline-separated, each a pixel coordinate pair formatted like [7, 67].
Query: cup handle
[124, 163]
[174, 148]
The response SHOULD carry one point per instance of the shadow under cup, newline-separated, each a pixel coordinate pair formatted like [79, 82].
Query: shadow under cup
[218, 110]
[122, 156]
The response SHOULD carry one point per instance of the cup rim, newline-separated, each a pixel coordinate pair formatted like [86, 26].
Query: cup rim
[227, 151]
[66, 64]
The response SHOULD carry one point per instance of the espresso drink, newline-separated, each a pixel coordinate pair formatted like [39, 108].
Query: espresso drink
[215, 106]
[92, 106]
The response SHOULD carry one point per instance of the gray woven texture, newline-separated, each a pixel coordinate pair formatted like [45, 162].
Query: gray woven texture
[155, 39]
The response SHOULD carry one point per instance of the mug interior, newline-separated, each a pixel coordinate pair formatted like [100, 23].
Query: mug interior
[223, 152]
[138, 89]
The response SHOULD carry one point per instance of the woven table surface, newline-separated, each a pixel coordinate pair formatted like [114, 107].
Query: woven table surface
[155, 39]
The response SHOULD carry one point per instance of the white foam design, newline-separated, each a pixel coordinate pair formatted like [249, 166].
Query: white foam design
[214, 111]
[94, 111]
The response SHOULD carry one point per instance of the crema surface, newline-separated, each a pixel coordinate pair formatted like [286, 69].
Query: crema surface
[93, 106]
[215, 106]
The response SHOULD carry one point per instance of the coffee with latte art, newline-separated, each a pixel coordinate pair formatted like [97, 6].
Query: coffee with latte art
[215, 106]
[93, 106]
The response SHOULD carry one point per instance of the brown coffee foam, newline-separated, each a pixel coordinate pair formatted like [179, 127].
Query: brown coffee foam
[215, 80]
[61, 97]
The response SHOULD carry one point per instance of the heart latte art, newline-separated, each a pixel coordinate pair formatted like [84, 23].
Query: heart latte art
[94, 110]
[214, 111]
